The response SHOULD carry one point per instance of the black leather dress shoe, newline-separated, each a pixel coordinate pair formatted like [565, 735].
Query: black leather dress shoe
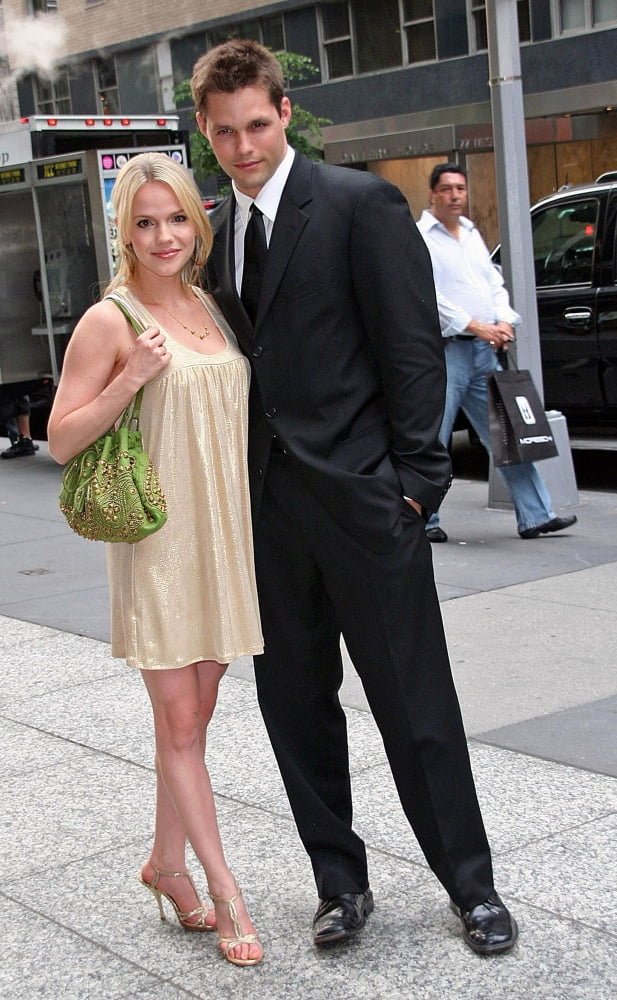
[436, 534]
[489, 927]
[555, 524]
[341, 917]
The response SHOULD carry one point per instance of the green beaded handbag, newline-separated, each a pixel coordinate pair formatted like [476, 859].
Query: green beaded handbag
[111, 492]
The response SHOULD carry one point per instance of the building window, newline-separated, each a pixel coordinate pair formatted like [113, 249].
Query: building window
[53, 97]
[479, 33]
[336, 33]
[419, 30]
[580, 15]
[377, 29]
[272, 33]
[42, 6]
[360, 36]
[107, 86]
[267, 30]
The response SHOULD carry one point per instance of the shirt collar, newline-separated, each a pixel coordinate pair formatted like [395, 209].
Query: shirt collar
[429, 221]
[269, 196]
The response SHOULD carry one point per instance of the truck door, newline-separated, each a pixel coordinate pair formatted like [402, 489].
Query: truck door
[566, 238]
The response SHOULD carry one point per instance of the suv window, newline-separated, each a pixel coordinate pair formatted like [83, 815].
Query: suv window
[563, 243]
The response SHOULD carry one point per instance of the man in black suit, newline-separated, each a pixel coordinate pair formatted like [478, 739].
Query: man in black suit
[346, 402]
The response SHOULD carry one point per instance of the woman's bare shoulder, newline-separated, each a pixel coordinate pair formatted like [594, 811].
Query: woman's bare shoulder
[102, 315]
[105, 309]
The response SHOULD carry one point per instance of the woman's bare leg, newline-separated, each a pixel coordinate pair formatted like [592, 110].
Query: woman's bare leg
[169, 844]
[177, 697]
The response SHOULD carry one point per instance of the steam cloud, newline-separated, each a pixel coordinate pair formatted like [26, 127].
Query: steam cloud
[34, 44]
[31, 45]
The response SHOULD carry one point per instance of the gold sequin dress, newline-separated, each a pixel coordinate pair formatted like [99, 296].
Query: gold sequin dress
[187, 593]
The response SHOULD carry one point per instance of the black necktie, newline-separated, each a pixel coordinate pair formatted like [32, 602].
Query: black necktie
[254, 256]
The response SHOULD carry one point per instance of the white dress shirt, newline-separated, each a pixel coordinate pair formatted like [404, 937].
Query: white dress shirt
[468, 284]
[267, 202]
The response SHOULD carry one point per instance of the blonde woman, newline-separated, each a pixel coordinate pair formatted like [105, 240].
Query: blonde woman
[183, 600]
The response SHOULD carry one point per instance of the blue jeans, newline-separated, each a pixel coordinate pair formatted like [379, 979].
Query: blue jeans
[467, 364]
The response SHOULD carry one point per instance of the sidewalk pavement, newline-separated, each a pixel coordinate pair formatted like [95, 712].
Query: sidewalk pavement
[531, 628]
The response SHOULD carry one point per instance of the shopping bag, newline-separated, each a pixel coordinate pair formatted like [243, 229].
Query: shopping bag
[518, 426]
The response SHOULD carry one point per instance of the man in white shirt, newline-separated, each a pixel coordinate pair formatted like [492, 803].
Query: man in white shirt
[476, 321]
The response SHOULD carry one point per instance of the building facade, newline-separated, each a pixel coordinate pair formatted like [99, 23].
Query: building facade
[404, 83]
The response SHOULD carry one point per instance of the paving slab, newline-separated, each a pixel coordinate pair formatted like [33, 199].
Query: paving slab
[584, 736]
[49, 961]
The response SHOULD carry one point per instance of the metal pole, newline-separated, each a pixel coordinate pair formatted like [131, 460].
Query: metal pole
[512, 180]
[513, 202]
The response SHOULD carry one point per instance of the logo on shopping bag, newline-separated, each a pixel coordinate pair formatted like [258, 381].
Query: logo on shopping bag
[525, 410]
[538, 439]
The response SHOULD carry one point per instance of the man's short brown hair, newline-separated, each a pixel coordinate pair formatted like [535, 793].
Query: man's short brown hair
[235, 64]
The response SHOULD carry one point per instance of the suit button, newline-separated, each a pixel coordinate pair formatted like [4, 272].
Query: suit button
[258, 351]
[271, 412]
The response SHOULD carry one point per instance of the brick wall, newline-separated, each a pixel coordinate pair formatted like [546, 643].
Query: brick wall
[101, 23]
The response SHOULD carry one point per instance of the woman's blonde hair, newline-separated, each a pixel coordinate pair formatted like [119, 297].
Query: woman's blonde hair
[138, 171]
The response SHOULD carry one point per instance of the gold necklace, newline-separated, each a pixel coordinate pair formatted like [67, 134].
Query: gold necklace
[201, 336]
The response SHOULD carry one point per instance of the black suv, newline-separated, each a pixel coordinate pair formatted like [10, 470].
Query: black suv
[575, 259]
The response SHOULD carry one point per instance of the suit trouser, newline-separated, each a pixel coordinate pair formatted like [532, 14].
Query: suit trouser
[315, 580]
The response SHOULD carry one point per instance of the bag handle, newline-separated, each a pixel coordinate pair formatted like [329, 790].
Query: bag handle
[505, 360]
[131, 413]
[123, 307]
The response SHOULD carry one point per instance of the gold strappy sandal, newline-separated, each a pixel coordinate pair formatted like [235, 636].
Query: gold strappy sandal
[184, 919]
[228, 943]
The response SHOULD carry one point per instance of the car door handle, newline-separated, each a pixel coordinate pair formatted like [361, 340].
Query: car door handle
[577, 317]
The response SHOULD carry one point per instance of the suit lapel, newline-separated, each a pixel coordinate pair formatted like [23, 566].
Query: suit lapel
[222, 262]
[291, 218]
[222, 225]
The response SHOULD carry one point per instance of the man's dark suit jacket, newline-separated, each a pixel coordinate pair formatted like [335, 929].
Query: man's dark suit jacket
[346, 353]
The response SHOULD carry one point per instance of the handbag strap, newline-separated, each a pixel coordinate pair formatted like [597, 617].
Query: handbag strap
[131, 413]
